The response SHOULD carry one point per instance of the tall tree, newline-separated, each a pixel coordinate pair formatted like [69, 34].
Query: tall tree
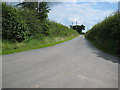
[42, 9]
[78, 28]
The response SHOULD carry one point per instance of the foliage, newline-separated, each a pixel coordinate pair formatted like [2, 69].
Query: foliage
[14, 27]
[78, 28]
[35, 26]
[24, 29]
[0, 21]
[43, 9]
[107, 34]
[30, 5]
[57, 29]
[37, 20]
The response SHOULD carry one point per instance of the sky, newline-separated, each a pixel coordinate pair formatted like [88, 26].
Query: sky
[86, 13]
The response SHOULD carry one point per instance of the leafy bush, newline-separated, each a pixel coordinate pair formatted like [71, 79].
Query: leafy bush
[43, 9]
[107, 34]
[35, 18]
[30, 29]
[56, 29]
[14, 27]
[32, 21]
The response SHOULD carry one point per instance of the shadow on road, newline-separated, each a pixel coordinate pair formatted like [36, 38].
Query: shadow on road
[101, 54]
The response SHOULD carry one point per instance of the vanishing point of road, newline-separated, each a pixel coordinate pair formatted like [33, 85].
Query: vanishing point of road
[72, 64]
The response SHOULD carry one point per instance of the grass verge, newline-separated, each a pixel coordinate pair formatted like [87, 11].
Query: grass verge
[8, 48]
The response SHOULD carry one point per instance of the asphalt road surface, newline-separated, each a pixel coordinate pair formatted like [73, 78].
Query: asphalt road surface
[72, 64]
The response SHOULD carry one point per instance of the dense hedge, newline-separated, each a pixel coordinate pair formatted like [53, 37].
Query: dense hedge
[56, 29]
[107, 34]
[14, 27]
[24, 22]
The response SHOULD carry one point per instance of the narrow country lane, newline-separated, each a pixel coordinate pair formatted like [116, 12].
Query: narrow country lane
[72, 64]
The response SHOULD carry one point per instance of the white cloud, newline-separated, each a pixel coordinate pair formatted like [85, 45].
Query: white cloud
[67, 13]
[63, 0]
[98, 0]
[80, 0]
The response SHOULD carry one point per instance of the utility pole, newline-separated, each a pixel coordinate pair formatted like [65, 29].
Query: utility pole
[119, 7]
[38, 5]
[76, 24]
[72, 23]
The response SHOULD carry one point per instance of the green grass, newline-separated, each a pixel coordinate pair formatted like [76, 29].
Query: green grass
[8, 48]
[31, 32]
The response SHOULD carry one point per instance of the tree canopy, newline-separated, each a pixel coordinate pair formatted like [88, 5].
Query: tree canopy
[14, 27]
[42, 10]
[78, 28]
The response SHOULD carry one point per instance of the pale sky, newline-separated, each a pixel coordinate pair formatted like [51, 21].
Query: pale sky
[86, 13]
